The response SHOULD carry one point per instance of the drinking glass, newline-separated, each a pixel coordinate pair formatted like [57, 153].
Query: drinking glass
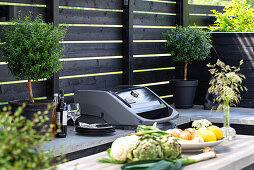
[74, 112]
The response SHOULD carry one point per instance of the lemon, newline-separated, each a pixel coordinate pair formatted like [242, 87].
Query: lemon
[217, 131]
[207, 135]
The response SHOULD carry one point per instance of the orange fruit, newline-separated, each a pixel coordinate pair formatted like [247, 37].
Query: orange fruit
[185, 135]
[217, 131]
[191, 130]
[207, 135]
[176, 132]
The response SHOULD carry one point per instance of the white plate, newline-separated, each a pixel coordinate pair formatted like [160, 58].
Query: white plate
[199, 146]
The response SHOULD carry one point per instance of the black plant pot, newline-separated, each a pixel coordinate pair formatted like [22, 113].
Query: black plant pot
[32, 108]
[184, 92]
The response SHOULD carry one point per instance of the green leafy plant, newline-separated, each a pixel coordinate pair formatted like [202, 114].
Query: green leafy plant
[227, 83]
[186, 44]
[215, 2]
[237, 16]
[32, 50]
[20, 147]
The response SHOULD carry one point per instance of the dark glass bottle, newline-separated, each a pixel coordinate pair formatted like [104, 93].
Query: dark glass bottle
[61, 117]
[54, 113]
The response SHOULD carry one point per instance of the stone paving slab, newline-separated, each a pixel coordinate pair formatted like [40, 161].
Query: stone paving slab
[237, 115]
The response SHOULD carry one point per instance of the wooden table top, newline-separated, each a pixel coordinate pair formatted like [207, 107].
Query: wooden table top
[231, 155]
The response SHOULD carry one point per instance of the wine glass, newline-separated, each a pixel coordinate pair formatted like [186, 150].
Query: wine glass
[74, 112]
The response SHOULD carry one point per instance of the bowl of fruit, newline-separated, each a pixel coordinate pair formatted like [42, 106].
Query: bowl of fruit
[203, 134]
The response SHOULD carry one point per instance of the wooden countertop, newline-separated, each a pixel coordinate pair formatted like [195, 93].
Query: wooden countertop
[231, 155]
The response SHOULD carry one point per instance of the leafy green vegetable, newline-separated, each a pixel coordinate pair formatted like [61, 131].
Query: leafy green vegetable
[144, 129]
[154, 165]
[139, 164]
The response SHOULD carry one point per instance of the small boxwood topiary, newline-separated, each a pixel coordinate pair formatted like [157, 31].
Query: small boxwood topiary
[186, 44]
[31, 48]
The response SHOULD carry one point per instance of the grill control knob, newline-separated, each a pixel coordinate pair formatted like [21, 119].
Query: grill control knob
[134, 93]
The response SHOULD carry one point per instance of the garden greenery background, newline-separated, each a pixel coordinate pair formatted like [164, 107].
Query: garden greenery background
[215, 2]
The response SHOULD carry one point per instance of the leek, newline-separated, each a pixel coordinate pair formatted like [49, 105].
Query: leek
[169, 165]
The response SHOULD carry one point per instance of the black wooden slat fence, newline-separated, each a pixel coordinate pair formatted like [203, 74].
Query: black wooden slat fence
[76, 16]
[96, 56]
[93, 33]
[204, 9]
[41, 2]
[150, 6]
[105, 4]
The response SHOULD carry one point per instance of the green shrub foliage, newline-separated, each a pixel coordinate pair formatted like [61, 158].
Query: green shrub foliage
[20, 147]
[32, 49]
[237, 16]
[186, 44]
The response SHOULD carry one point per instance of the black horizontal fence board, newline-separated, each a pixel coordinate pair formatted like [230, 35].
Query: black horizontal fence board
[25, 10]
[149, 33]
[5, 76]
[247, 103]
[201, 20]
[93, 33]
[236, 38]
[74, 16]
[90, 66]
[93, 50]
[153, 76]
[20, 91]
[152, 62]
[250, 93]
[69, 99]
[169, 100]
[41, 2]
[104, 4]
[149, 48]
[90, 83]
[204, 9]
[161, 90]
[153, 6]
[153, 19]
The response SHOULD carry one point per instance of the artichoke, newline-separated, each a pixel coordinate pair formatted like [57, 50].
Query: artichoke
[170, 147]
[152, 147]
[148, 148]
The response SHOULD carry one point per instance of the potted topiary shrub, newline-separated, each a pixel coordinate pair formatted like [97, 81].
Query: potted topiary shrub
[186, 44]
[232, 37]
[32, 50]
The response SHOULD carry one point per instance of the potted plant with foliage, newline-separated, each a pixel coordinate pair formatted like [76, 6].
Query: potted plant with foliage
[186, 44]
[32, 50]
[21, 143]
[226, 85]
[232, 36]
